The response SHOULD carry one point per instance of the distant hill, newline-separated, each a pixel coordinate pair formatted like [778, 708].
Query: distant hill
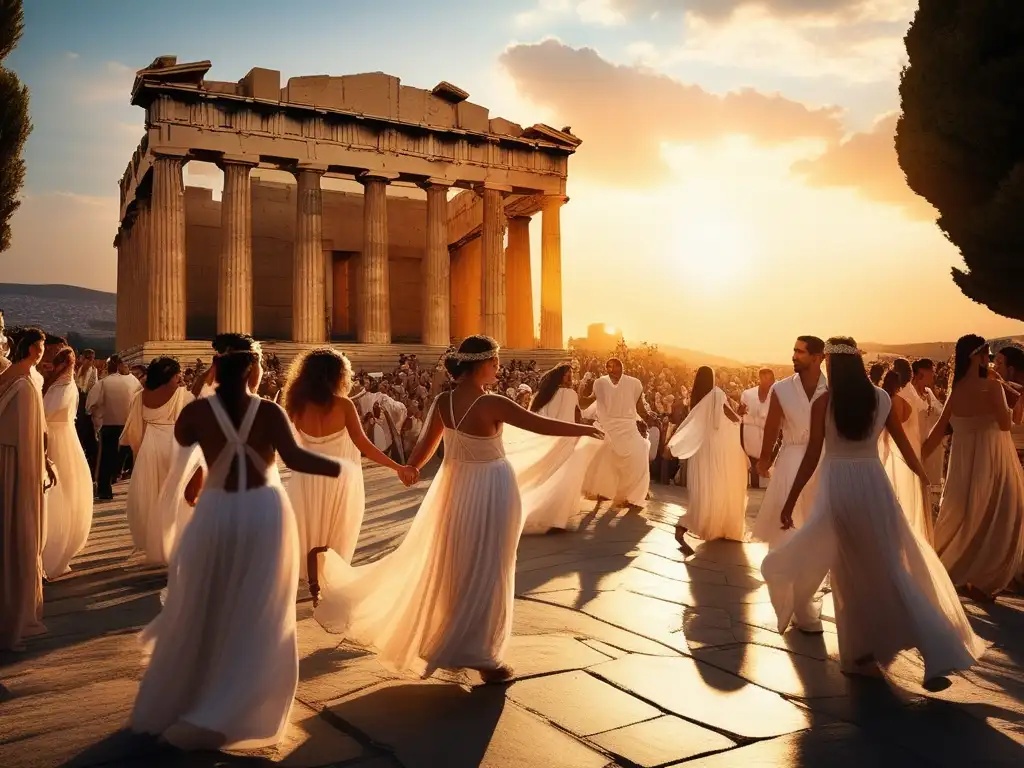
[62, 310]
[933, 350]
[693, 357]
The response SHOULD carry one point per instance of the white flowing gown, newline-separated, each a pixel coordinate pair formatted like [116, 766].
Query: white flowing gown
[621, 469]
[69, 503]
[550, 471]
[329, 510]
[891, 592]
[443, 599]
[150, 433]
[716, 470]
[223, 656]
[796, 431]
[906, 485]
[979, 534]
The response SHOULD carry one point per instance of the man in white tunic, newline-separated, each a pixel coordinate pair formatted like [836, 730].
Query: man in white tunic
[790, 411]
[753, 411]
[620, 471]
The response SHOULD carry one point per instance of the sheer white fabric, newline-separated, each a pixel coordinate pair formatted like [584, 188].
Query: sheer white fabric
[796, 431]
[223, 658]
[329, 510]
[150, 433]
[753, 420]
[906, 485]
[621, 470]
[979, 534]
[716, 470]
[890, 591]
[69, 503]
[550, 470]
[444, 598]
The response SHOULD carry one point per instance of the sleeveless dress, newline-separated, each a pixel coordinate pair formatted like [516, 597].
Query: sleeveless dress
[550, 471]
[329, 510]
[891, 592]
[69, 503]
[979, 534]
[150, 433]
[716, 471]
[223, 657]
[443, 599]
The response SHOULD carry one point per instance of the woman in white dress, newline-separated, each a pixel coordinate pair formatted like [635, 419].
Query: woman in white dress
[149, 431]
[550, 473]
[443, 599]
[716, 466]
[328, 510]
[979, 534]
[223, 658]
[891, 592]
[914, 500]
[69, 503]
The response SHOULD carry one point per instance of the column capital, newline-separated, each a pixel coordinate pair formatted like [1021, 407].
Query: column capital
[170, 153]
[250, 160]
[548, 201]
[320, 168]
[435, 182]
[503, 188]
[385, 176]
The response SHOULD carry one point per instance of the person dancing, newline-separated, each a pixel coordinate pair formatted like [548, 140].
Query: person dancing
[443, 599]
[891, 591]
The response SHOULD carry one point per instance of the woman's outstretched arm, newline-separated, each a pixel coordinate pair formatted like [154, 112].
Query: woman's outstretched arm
[362, 442]
[810, 460]
[294, 455]
[511, 413]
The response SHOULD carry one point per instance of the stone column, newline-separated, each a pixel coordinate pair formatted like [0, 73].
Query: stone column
[234, 286]
[519, 284]
[121, 307]
[166, 250]
[492, 282]
[308, 260]
[551, 274]
[373, 315]
[436, 272]
[140, 253]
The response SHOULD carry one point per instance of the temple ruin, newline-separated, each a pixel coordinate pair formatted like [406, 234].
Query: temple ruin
[297, 265]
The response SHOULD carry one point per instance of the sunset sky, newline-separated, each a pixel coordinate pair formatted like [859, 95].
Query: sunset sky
[736, 186]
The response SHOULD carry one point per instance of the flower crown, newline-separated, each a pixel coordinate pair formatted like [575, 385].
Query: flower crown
[473, 357]
[841, 349]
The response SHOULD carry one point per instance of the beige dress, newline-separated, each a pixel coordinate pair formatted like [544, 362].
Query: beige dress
[22, 533]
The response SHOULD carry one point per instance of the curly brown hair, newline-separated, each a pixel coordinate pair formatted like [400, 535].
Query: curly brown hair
[316, 377]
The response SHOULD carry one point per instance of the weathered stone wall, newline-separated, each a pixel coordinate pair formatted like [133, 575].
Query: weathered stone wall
[273, 226]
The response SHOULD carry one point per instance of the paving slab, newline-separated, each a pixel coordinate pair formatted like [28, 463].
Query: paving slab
[310, 742]
[778, 671]
[532, 655]
[661, 741]
[433, 725]
[706, 695]
[835, 746]
[580, 703]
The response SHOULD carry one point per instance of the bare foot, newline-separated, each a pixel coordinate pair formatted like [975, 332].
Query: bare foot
[688, 551]
[500, 674]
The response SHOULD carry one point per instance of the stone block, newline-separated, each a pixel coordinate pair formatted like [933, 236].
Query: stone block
[661, 741]
[320, 90]
[439, 112]
[309, 742]
[580, 703]
[260, 83]
[219, 86]
[373, 93]
[503, 127]
[472, 117]
[774, 669]
[545, 654]
[412, 104]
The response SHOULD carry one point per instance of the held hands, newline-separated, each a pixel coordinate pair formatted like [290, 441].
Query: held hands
[408, 475]
[787, 517]
[51, 476]
[764, 467]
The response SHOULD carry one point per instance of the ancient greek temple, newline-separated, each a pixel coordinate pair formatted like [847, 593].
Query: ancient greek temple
[295, 264]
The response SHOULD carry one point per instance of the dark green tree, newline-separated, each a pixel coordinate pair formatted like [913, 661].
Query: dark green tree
[14, 120]
[960, 139]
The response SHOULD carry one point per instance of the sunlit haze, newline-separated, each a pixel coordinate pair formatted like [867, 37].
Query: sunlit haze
[736, 185]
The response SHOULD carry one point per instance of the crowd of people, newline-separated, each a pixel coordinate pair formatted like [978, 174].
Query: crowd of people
[849, 467]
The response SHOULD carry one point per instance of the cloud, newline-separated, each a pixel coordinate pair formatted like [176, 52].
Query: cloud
[70, 55]
[723, 10]
[112, 83]
[867, 162]
[624, 114]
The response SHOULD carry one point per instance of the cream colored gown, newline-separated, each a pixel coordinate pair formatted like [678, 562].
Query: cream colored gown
[907, 486]
[891, 592]
[223, 656]
[443, 599]
[69, 503]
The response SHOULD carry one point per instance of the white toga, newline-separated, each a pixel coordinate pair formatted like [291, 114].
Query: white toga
[621, 470]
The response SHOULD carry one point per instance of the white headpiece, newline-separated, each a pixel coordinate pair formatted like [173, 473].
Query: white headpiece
[841, 349]
[473, 357]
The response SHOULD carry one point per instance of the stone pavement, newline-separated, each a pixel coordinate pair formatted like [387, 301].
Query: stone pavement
[625, 655]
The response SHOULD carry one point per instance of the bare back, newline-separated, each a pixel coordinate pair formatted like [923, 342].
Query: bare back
[475, 414]
[973, 397]
[322, 420]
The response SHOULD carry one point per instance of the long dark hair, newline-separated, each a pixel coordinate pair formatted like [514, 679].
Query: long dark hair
[548, 386]
[852, 395]
[161, 371]
[703, 382]
[471, 345]
[898, 376]
[26, 338]
[233, 369]
[876, 373]
[316, 378]
[966, 347]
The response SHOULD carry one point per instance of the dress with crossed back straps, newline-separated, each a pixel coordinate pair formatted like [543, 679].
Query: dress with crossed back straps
[890, 591]
[223, 659]
[443, 599]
